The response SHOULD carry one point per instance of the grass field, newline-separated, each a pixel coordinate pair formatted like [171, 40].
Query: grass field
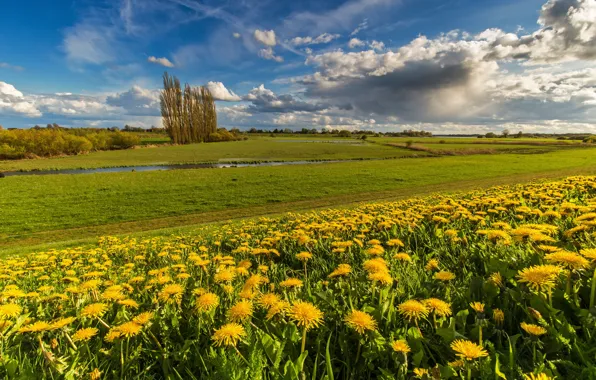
[256, 149]
[492, 284]
[46, 209]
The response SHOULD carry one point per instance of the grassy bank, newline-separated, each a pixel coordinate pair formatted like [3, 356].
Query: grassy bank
[99, 204]
[262, 149]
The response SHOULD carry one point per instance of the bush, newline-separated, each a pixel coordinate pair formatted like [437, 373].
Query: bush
[122, 140]
[344, 133]
[222, 134]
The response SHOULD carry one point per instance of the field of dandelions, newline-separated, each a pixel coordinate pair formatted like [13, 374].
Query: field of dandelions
[494, 284]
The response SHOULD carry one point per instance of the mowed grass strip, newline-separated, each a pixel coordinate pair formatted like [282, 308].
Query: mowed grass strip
[32, 205]
[259, 149]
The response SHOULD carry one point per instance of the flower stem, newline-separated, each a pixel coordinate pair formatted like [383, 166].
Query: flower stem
[303, 341]
[593, 292]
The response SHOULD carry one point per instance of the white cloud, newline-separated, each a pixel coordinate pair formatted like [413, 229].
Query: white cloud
[220, 92]
[269, 54]
[12, 101]
[236, 35]
[136, 101]
[362, 26]
[285, 119]
[89, 43]
[354, 43]
[321, 39]
[4, 65]
[377, 45]
[266, 37]
[160, 61]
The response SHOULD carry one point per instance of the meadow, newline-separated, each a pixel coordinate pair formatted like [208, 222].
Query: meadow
[496, 283]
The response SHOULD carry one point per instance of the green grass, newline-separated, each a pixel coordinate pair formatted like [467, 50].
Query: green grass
[51, 208]
[258, 149]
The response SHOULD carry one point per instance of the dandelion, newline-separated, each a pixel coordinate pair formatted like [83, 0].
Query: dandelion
[400, 346]
[467, 350]
[39, 326]
[402, 257]
[10, 310]
[129, 329]
[171, 293]
[360, 321]
[143, 318]
[498, 316]
[477, 306]
[413, 310]
[62, 322]
[240, 312]
[84, 334]
[279, 307]
[532, 329]
[307, 316]
[540, 376]
[342, 270]
[421, 372]
[207, 302]
[291, 283]
[432, 264]
[438, 307]
[268, 300]
[94, 310]
[304, 256]
[228, 335]
[444, 276]
[496, 279]
[540, 277]
[95, 374]
[112, 335]
[568, 259]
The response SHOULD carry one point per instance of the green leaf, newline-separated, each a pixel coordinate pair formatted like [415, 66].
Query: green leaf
[498, 373]
[328, 359]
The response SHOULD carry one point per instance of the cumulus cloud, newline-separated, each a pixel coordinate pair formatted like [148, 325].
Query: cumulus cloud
[266, 37]
[321, 39]
[285, 119]
[355, 43]
[220, 92]
[377, 45]
[12, 101]
[265, 100]
[136, 101]
[269, 54]
[160, 61]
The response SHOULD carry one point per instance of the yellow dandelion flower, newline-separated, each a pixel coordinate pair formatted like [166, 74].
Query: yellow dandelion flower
[539, 376]
[498, 316]
[432, 264]
[439, 307]
[532, 329]
[268, 299]
[360, 321]
[94, 310]
[444, 276]
[383, 278]
[95, 374]
[291, 283]
[36, 327]
[496, 279]
[306, 315]
[240, 312]
[228, 335]
[10, 310]
[395, 243]
[402, 257]
[85, 334]
[400, 346]
[171, 293]
[280, 307]
[207, 302]
[421, 372]
[477, 306]
[129, 329]
[143, 318]
[568, 259]
[540, 277]
[467, 350]
[112, 335]
[413, 310]
[63, 322]
[304, 256]
[589, 253]
[342, 270]
[129, 302]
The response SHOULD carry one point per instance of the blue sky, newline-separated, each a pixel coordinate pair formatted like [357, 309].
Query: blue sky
[449, 66]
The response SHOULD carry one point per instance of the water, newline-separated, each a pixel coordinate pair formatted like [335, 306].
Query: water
[163, 167]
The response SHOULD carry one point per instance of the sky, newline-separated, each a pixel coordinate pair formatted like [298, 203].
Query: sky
[445, 66]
